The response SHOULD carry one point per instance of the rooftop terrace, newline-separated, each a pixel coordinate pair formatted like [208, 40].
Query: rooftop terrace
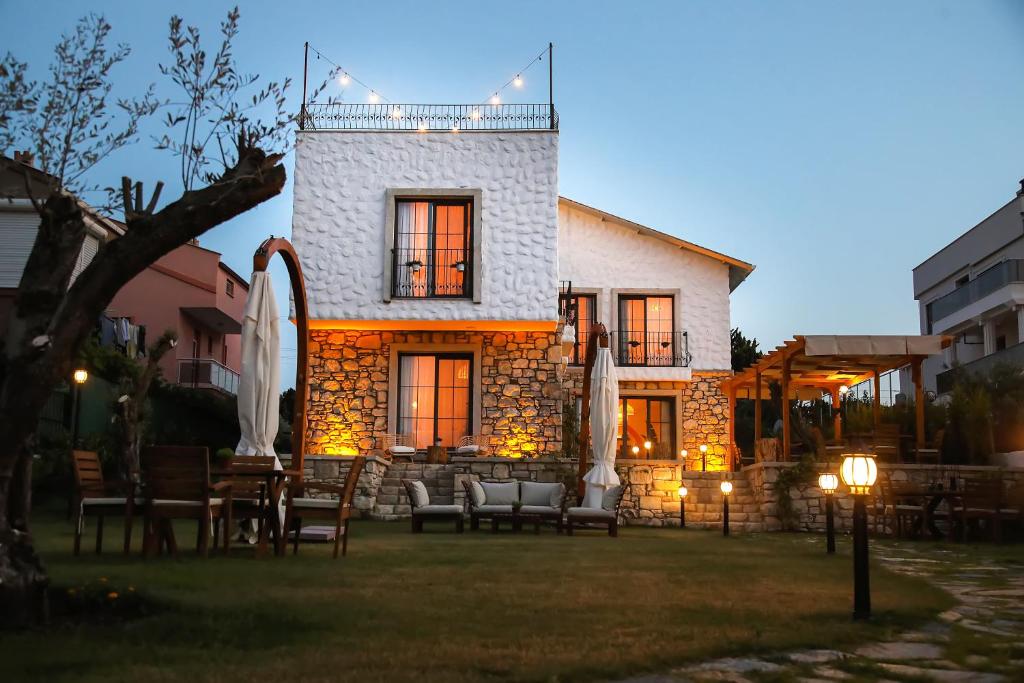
[426, 118]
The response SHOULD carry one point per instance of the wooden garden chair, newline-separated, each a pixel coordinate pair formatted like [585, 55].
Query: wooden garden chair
[177, 486]
[98, 498]
[300, 507]
[254, 491]
[980, 500]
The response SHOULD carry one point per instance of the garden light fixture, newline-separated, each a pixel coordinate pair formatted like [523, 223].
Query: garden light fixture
[704, 457]
[828, 483]
[859, 473]
[726, 487]
[81, 376]
[682, 505]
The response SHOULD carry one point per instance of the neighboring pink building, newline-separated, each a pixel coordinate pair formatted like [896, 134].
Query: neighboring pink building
[192, 293]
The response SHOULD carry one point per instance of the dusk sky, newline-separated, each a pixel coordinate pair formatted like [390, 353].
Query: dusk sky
[835, 145]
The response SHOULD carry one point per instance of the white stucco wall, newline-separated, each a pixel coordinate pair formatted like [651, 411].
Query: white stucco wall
[605, 257]
[341, 178]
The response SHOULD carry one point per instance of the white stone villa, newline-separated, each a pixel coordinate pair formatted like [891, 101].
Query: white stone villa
[434, 263]
[973, 289]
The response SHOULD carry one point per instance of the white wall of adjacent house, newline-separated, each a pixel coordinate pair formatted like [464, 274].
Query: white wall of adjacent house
[608, 258]
[340, 220]
[19, 224]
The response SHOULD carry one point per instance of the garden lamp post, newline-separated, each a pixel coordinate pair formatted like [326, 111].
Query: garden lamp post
[647, 449]
[682, 506]
[703, 457]
[828, 483]
[726, 487]
[80, 377]
[859, 473]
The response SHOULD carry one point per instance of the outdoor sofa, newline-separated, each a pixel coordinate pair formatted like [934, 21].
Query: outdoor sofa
[607, 515]
[424, 511]
[514, 501]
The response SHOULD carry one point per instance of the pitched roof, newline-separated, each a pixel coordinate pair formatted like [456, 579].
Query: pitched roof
[738, 270]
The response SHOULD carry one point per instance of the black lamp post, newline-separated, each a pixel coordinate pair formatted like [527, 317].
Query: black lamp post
[703, 457]
[828, 483]
[80, 377]
[682, 506]
[726, 487]
[859, 472]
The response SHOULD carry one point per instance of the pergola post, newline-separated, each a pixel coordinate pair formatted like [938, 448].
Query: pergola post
[757, 407]
[876, 405]
[915, 374]
[731, 448]
[837, 415]
[786, 434]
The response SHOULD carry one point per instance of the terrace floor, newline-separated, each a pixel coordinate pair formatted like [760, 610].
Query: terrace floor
[441, 607]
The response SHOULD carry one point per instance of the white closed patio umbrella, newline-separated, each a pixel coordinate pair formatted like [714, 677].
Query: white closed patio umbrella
[260, 384]
[604, 410]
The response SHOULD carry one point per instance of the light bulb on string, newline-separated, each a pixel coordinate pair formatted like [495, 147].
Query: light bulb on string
[344, 79]
[495, 100]
[373, 97]
[518, 81]
[475, 115]
[396, 113]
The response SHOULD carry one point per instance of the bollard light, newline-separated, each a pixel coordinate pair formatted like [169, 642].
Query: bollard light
[635, 449]
[726, 487]
[859, 472]
[682, 505]
[81, 376]
[828, 483]
[704, 457]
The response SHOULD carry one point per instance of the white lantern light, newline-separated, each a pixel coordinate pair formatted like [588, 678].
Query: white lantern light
[726, 487]
[81, 376]
[828, 483]
[682, 492]
[859, 472]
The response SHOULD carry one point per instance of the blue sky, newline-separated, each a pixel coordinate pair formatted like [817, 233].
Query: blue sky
[833, 144]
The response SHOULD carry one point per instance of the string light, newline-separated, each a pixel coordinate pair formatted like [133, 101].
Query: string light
[344, 79]
[396, 113]
[475, 115]
[373, 97]
[518, 81]
[455, 128]
[495, 99]
[423, 127]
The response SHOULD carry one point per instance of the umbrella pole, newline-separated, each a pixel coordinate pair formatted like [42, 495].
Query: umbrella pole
[598, 336]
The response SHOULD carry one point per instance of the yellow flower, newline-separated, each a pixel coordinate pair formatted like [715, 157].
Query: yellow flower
[112, 595]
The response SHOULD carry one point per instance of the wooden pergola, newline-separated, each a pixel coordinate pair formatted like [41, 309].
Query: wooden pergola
[813, 365]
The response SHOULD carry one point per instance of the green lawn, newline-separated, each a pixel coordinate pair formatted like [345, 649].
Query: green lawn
[441, 607]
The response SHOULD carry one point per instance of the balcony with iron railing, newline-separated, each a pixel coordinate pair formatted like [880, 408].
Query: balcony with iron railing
[426, 118]
[431, 273]
[206, 373]
[1011, 355]
[631, 348]
[988, 282]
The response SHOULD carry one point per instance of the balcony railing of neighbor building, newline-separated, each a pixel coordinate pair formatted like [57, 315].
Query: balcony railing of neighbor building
[425, 273]
[650, 349]
[1011, 355]
[429, 117]
[206, 373]
[989, 281]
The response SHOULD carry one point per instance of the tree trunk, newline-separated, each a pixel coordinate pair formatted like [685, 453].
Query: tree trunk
[50, 322]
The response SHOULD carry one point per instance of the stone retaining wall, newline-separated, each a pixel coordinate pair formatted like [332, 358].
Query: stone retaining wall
[651, 499]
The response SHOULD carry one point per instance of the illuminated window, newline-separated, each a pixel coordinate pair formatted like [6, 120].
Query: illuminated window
[434, 398]
[433, 248]
[643, 419]
[646, 330]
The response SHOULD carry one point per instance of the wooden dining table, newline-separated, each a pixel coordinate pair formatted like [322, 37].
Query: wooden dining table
[272, 483]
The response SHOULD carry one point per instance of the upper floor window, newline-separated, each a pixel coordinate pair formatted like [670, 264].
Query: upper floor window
[646, 334]
[229, 288]
[433, 248]
[586, 313]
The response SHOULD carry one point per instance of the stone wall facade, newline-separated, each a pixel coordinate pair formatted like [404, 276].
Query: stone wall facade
[520, 394]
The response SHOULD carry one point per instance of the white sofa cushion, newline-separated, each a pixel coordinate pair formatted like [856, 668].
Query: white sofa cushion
[541, 493]
[500, 494]
[111, 501]
[496, 509]
[590, 512]
[539, 510]
[476, 492]
[611, 497]
[185, 503]
[418, 493]
[401, 450]
[438, 510]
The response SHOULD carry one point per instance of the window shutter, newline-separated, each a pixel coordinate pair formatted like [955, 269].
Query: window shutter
[17, 234]
[90, 246]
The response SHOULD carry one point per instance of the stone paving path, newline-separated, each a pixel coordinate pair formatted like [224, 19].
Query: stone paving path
[981, 640]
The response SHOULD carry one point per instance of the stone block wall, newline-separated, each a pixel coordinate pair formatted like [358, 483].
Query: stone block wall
[521, 395]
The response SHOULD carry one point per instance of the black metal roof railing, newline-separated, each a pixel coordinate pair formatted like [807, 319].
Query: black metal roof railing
[428, 117]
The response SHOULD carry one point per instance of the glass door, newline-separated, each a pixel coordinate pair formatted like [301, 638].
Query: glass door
[434, 398]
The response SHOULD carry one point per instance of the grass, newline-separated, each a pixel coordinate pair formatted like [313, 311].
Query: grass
[441, 607]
